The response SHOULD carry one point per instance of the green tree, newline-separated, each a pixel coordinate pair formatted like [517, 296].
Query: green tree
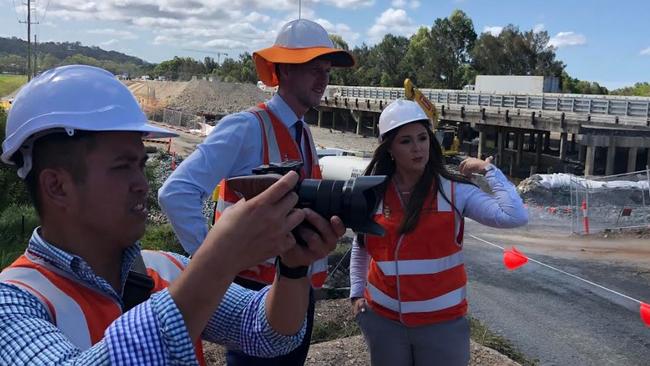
[388, 55]
[639, 89]
[513, 52]
[452, 39]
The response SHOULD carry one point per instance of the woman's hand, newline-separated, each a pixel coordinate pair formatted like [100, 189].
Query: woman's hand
[358, 305]
[470, 166]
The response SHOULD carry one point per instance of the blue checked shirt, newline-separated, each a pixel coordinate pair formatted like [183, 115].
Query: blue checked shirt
[152, 333]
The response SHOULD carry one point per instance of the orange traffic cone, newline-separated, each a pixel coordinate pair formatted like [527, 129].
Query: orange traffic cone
[645, 313]
[514, 259]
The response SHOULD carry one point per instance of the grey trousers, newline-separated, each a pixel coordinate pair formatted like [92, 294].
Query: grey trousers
[394, 344]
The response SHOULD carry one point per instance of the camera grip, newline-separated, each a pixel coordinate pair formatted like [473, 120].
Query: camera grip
[251, 185]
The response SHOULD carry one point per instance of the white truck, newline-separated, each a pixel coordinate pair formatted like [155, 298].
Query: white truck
[516, 84]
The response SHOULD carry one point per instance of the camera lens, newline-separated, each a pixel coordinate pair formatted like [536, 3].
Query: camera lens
[354, 201]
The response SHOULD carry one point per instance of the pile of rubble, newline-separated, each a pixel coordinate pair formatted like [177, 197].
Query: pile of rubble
[217, 98]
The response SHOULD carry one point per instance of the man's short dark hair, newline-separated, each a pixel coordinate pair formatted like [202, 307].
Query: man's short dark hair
[59, 150]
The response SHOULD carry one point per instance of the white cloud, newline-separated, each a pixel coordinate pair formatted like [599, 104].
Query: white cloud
[567, 39]
[494, 30]
[394, 21]
[219, 25]
[538, 28]
[645, 52]
[340, 29]
[350, 4]
[114, 33]
[413, 4]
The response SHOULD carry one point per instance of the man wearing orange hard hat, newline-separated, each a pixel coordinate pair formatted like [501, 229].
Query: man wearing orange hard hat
[299, 63]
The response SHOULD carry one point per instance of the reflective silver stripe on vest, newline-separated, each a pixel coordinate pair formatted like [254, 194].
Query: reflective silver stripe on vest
[159, 262]
[318, 266]
[420, 266]
[271, 140]
[70, 317]
[222, 205]
[443, 205]
[445, 301]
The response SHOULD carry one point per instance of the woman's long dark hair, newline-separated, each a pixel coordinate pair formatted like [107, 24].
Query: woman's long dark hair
[383, 164]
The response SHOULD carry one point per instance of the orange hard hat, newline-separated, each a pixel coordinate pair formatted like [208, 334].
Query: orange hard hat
[298, 41]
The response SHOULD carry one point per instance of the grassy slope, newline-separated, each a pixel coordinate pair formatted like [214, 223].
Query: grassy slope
[9, 83]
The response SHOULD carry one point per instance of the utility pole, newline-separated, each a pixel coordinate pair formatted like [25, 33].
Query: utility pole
[29, 37]
[35, 68]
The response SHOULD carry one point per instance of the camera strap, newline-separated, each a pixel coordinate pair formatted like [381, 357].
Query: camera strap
[138, 285]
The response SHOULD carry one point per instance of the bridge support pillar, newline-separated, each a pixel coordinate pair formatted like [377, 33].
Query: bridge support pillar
[563, 143]
[589, 159]
[582, 150]
[547, 141]
[572, 147]
[357, 117]
[611, 157]
[320, 118]
[374, 124]
[501, 137]
[481, 143]
[538, 150]
[631, 159]
[333, 119]
[520, 147]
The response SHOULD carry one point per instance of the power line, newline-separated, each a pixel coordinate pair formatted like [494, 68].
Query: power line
[47, 6]
[15, 11]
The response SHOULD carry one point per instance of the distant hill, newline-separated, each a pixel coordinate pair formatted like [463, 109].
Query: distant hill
[13, 57]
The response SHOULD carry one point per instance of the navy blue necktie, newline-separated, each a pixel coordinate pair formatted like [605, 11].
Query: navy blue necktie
[299, 138]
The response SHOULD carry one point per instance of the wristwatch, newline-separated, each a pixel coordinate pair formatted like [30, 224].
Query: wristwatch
[293, 273]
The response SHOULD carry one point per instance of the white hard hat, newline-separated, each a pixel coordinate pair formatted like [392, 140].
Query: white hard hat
[398, 113]
[74, 97]
[298, 41]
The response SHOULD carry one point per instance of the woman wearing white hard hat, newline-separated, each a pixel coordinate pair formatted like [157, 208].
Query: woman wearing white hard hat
[298, 63]
[408, 287]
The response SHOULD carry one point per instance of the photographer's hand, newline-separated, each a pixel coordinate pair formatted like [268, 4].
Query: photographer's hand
[288, 299]
[321, 239]
[248, 233]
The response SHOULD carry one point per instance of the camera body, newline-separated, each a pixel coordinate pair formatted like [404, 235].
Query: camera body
[354, 201]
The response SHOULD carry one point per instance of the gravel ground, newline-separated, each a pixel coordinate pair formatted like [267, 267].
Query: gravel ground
[352, 350]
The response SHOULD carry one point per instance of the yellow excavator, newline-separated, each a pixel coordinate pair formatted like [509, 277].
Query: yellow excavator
[447, 136]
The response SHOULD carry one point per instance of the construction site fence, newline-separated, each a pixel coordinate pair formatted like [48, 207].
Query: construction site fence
[178, 119]
[594, 205]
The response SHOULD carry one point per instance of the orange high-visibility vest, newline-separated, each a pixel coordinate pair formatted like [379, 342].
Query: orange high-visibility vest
[417, 278]
[80, 312]
[277, 146]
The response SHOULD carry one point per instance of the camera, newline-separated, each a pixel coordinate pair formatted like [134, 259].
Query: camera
[354, 200]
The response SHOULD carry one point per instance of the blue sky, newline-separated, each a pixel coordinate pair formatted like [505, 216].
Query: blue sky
[603, 41]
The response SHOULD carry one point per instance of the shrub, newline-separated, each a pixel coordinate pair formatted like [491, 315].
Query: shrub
[16, 225]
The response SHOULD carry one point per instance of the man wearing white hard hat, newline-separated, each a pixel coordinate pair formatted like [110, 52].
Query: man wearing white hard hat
[299, 64]
[84, 292]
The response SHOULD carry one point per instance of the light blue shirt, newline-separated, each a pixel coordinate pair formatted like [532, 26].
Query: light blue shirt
[152, 333]
[233, 148]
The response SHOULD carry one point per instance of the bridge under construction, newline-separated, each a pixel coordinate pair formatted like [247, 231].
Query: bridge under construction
[536, 133]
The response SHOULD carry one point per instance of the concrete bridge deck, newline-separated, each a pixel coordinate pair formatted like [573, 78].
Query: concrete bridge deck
[516, 123]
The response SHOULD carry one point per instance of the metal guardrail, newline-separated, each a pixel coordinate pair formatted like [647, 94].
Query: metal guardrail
[575, 103]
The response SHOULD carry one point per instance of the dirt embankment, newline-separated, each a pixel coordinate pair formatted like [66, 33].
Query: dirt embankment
[197, 96]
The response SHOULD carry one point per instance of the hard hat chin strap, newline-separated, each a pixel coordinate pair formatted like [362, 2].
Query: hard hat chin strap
[26, 152]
